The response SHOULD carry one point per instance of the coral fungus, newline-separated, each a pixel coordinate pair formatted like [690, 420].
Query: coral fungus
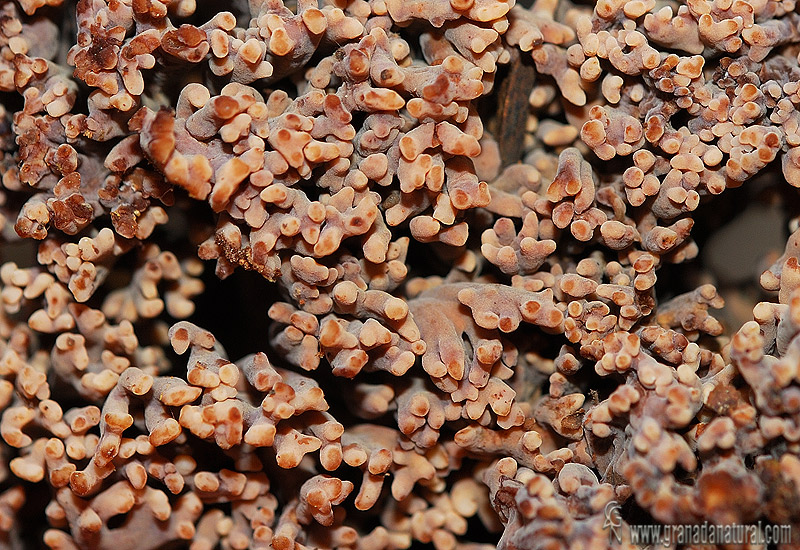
[466, 290]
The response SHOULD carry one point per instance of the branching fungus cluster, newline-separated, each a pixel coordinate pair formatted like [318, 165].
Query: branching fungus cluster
[461, 207]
